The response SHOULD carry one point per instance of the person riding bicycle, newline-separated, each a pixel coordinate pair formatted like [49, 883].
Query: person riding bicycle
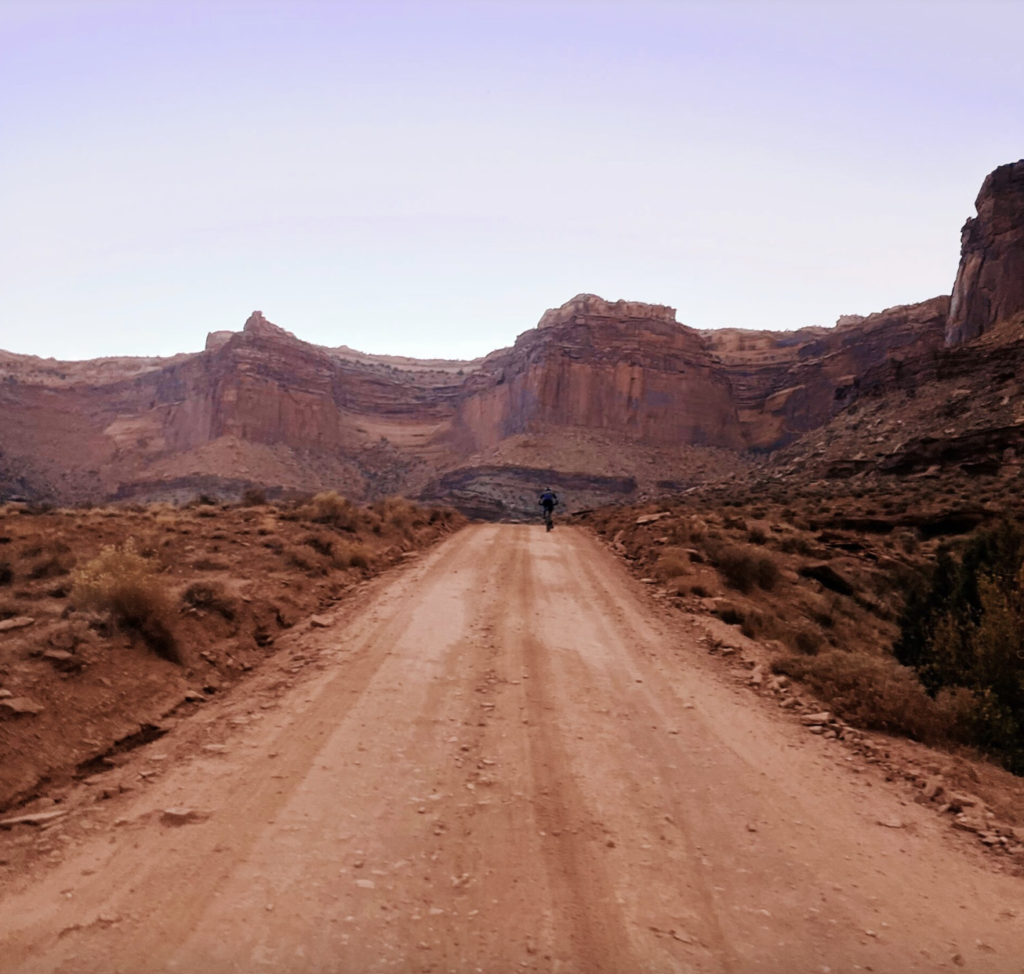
[548, 501]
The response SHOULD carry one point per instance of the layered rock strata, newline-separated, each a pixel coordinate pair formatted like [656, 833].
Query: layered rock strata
[989, 285]
[608, 400]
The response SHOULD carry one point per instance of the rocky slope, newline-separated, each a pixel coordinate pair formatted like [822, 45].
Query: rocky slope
[606, 400]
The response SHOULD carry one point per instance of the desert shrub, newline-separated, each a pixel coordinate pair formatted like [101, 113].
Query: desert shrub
[321, 543]
[700, 591]
[210, 595]
[872, 691]
[761, 625]
[757, 535]
[399, 514]
[304, 559]
[352, 556]
[767, 572]
[120, 582]
[328, 507]
[743, 570]
[6, 573]
[806, 641]
[442, 515]
[687, 530]
[964, 628]
[672, 564]
[676, 586]
[796, 544]
[254, 497]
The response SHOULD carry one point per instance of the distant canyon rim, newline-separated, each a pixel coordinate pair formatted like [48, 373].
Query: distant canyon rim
[605, 401]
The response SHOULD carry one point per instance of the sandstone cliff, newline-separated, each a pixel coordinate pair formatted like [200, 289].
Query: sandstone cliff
[989, 285]
[591, 365]
[787, 383]
[605, 399]
[608, 400]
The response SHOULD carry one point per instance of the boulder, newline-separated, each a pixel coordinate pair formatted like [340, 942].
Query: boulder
[20, 705]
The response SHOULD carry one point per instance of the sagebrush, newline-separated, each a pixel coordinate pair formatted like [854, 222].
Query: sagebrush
[120, 582]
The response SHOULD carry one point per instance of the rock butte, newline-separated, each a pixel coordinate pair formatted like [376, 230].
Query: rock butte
[608, 400]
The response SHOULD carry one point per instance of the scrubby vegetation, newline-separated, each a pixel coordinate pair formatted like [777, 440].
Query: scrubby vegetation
[881, 601]
[119, 581]
[874, 691]
[963, 628]
[212, 583]
[743, 569]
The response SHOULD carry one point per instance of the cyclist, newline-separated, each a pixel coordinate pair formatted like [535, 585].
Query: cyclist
[548, 501]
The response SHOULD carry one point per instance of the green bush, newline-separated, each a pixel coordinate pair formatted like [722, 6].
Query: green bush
[964, 628]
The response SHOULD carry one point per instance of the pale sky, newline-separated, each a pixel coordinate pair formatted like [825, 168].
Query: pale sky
[426, 178]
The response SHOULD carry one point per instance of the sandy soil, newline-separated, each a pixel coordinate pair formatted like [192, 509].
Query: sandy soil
[507, 761]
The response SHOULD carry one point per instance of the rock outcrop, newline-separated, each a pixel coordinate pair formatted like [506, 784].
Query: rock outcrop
[597, 365]
[590, 306]
[989, 285]
[787, 383]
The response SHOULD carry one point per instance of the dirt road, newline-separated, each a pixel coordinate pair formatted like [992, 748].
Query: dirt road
[508, 762]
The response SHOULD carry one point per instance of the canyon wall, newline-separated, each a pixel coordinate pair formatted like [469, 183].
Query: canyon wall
[989, 286]
[611, 400]
[598, 382]
[650, 379]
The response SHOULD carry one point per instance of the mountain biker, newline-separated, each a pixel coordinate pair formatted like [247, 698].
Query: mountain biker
[548, 501]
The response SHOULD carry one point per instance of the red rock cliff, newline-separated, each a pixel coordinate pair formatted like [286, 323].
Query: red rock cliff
[989, 285]
[591, 364]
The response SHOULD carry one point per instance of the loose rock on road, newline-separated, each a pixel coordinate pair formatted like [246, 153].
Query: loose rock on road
[510, 764]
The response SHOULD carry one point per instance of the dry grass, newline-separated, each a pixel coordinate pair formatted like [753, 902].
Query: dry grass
[305, 560]
[352, 556]
[123, 584]
[672, 564]
[328, 507]
[744, 570]
[875, 692]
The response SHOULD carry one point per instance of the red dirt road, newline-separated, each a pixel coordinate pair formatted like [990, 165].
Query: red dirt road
[509, 762]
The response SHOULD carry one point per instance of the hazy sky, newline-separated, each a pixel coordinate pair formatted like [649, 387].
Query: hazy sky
[427, 177]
